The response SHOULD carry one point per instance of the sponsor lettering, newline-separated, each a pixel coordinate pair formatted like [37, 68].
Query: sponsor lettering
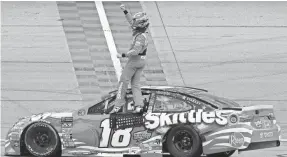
[47, 152]
[258, 124]
[67, 125]
[154, 120]
[262, 122]
[267, 123]
[69, 144]
[40, 125]
[142, 136]
[237, 140]
[179, 96]
[192, 100]
[266, 134]
[81, 112]
[67, 119]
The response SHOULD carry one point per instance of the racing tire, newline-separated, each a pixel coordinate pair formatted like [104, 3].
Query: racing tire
[42, 140]
[184, 141]
[222, 154]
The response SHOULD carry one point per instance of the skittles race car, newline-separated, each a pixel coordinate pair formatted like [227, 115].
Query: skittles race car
[177, 121]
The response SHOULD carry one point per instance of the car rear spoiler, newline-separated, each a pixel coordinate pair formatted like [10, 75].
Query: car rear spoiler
[258, 107]
[165, 87]
[232, 108]
[249, 108]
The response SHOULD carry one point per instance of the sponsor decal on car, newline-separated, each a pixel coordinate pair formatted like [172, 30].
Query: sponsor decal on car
[262, 123]
[154, 120]
[179, 96]
[69, 144]
[236, 140]
[48, 151]
[81, 112]
[67, 125]
[142, 135]
[266, 134]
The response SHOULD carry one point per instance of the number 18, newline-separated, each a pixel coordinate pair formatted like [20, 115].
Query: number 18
[120, 138]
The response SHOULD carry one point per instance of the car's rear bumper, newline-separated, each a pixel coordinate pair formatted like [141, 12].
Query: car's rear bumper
[243, 138]
[262, 145]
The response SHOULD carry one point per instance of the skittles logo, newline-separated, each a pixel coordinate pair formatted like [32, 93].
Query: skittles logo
[236, 140]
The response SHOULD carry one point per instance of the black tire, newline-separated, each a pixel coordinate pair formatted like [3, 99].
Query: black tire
[223, 154]
[42, 140]
[188, 138]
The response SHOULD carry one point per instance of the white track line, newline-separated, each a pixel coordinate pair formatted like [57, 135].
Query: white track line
[109, 38]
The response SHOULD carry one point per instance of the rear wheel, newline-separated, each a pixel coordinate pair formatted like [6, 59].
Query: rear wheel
[184, 141]
[42, 140]
[223, 154]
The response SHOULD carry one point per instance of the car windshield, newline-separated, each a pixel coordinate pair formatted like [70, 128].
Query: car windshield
[217, 101]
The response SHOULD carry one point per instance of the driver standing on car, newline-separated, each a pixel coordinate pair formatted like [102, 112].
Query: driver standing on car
[136, 61]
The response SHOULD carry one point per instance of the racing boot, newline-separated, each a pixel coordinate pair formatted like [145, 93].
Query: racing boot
[138, 109]
[116, 109]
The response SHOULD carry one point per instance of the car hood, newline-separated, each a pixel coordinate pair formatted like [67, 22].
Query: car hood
[15, 132]
[46, 115]
[52, 117]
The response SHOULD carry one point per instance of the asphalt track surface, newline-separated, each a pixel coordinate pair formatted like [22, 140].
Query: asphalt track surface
[256, 77]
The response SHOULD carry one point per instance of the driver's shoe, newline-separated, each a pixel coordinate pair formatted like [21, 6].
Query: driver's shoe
[115, 109]
[138, 109]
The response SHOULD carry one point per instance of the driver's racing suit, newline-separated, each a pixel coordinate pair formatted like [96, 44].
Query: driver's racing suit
[134, 67]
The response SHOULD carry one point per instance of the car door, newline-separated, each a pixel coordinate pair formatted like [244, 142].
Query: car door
[167, 107]
[94, 128]
[87, 128]
[127, 137]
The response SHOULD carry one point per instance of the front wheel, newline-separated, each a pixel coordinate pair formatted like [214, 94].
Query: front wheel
[42, 140]
[223, 154]
[184, 141]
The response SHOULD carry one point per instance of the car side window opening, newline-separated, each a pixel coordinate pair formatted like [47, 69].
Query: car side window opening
[168, 103]
[99, 108]
[130, 101]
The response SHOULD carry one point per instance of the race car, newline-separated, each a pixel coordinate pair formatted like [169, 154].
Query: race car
[176, 121]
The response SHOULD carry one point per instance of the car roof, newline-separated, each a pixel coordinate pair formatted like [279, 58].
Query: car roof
[179, 89]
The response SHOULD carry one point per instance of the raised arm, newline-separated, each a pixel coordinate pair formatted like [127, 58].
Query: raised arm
[127, 15]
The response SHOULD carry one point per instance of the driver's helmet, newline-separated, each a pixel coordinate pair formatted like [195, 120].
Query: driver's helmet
[140, 20]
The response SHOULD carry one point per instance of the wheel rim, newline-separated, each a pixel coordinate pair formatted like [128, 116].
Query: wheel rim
[41, 140]
[183, 141]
